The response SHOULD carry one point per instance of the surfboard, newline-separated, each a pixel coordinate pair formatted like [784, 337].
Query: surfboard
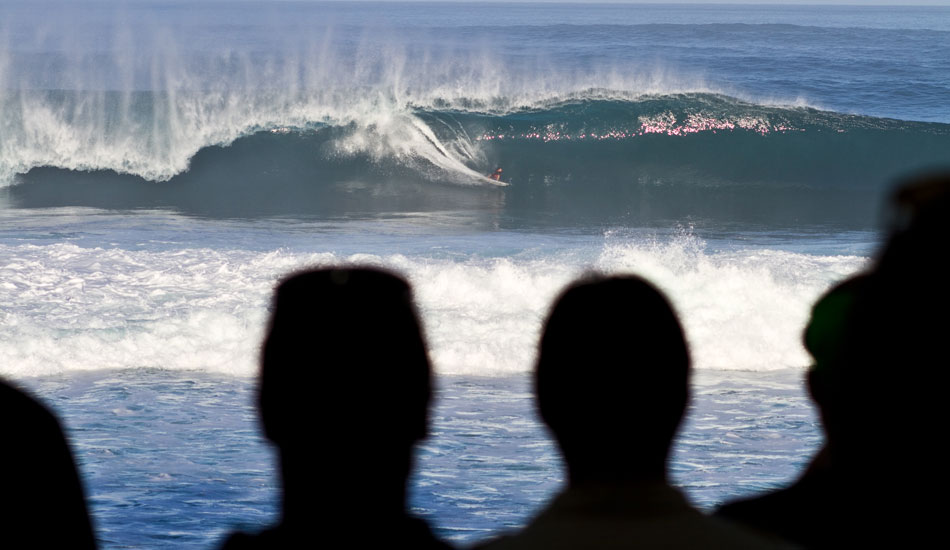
[498, 183]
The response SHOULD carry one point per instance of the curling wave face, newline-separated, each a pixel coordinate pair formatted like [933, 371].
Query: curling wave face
[636, 160]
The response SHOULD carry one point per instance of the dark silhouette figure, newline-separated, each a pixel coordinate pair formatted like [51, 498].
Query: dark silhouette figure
[344, 396]
[612, 384]
[810, 511]
[890, 393]
[42, 498]
[881, 396]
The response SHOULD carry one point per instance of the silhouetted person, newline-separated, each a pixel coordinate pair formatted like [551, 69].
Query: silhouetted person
[344, 396]
[41, 500]
[612, 384]
[811, 510]
[881, 395]
[891, 391]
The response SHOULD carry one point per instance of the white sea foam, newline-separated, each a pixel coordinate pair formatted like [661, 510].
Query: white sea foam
[68, 308]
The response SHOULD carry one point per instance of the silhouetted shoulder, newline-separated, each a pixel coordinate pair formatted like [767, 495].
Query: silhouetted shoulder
[43, 501]
[805, 513]
[651, 515]
[411, 533]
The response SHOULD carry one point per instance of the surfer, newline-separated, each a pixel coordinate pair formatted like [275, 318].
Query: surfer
[496, 175]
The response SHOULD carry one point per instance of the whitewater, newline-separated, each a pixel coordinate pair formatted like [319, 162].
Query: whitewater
[163, 165]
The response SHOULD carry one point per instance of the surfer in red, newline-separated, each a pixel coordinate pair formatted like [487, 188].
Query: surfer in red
[496, 175]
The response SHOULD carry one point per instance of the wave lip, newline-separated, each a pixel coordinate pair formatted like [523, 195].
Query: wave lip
[155, 136]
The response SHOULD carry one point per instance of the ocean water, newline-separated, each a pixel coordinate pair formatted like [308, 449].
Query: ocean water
[162, 164]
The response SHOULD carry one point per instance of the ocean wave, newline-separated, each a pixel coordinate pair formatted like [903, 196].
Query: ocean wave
[656, 156]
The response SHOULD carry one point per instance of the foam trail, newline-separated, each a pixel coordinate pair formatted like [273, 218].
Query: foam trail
[449, 162]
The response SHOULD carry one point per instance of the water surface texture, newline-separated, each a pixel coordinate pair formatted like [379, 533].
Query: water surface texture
[163, 164]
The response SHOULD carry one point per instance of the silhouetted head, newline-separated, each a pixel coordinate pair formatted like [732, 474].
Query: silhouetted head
[344, 369]
[824, 339]
[42, 498]
[921, 203]
[891, 395]
[913, 255]
[612, 378]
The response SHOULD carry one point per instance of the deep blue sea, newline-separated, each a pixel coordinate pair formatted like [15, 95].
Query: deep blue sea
[162, 164]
